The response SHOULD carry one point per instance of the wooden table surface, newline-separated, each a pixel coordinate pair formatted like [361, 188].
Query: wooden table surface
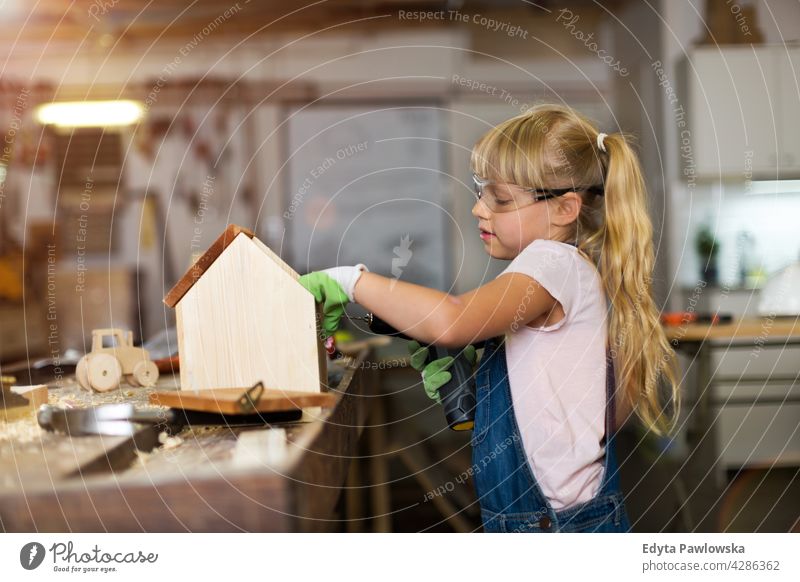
[748, 328]
[286, 477]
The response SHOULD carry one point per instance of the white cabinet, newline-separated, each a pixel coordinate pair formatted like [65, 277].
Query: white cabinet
[788, 66]
[755, 404]
[743, 107]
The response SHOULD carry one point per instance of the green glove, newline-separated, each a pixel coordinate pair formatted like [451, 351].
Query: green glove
[435, 375]
[332, 296]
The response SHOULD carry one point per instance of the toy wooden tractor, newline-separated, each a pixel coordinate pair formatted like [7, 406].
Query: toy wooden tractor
[104, 367]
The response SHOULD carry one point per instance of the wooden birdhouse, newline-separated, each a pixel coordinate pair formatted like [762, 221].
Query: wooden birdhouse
[242, 317]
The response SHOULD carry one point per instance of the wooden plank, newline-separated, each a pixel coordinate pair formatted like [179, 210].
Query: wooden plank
[226, 400]
[204, 262]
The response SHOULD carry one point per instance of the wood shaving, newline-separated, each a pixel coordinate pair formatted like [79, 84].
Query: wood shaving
[169, 442]
[26, 430]
[142, 456]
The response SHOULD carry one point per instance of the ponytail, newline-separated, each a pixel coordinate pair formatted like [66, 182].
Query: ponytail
[638, 343]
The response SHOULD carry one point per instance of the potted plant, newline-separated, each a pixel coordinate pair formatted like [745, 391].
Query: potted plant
[707, 248]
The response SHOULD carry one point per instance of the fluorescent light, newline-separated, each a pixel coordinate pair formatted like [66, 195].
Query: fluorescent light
[90, 113]
[772, 187]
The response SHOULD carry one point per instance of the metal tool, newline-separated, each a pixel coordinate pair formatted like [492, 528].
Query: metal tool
[125, 419]
[106, 419]
[377, 325]
[248, 401]
[458, 395]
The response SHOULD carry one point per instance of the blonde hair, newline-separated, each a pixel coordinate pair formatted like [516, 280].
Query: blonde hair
[554, 146]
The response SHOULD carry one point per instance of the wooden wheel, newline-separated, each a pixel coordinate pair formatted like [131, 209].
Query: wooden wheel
[104, 372]
[82, 373]
[145, 373]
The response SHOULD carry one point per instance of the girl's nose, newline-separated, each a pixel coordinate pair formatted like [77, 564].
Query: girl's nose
[479, 210]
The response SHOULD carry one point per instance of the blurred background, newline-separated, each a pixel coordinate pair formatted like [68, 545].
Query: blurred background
[340, 133]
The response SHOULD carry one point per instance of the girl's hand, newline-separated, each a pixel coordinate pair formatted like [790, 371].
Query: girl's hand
[334, 289]
[435, 375]
[330, 293]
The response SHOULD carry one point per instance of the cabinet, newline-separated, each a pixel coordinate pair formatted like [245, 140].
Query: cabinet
[755, 404]
[743, 106]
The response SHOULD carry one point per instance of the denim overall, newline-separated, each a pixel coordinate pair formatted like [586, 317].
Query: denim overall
[510, 498]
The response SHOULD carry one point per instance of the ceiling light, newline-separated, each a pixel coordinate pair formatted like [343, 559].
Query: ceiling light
[90, 113]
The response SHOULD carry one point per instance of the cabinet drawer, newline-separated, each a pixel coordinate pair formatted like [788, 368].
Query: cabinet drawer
[762, 434]
[754, 362]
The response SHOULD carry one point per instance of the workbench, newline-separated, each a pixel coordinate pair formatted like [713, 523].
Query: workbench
[285, 477]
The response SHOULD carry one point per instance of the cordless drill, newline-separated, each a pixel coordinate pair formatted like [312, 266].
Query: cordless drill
[458, 395]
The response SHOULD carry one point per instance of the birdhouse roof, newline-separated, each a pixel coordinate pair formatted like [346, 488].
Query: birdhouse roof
[204, 262]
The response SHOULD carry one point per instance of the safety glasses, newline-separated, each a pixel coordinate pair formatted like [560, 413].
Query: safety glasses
[499, 198]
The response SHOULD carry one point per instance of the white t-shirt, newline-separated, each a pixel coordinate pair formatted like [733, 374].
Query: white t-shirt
[557, 375]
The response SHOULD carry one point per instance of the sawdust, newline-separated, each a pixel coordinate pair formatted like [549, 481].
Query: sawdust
[143, 457]
[73, 396]
[26, 430]
[169, 442]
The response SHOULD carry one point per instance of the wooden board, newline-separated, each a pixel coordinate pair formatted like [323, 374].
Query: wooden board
[225, 400]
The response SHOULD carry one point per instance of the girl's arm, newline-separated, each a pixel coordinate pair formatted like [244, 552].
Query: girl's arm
[431, 316]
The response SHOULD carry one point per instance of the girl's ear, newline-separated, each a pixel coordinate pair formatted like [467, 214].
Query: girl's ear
[567, 209]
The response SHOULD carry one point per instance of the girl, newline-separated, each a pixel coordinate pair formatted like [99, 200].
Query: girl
[567, 205]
